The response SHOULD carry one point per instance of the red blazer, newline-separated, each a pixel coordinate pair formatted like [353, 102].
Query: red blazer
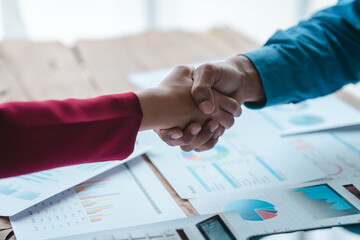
[35, 136]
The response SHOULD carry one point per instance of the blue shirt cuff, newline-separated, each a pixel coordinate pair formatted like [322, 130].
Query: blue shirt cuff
[270, 66]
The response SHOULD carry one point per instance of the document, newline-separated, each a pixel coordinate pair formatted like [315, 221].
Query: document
[325, 113]
[311, 205]
[127, 195]
[251, 155]
[336, 153]
[21, 192]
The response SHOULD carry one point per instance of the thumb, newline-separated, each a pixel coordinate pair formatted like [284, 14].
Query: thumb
[204, 79]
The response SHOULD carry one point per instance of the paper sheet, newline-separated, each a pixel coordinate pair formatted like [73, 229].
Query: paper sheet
[311, 205]
[127, 195]
[337, 153]
[323, 113]
[249, 156]
[21, 192]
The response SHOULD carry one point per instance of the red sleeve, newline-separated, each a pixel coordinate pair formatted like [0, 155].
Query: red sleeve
[35, 136]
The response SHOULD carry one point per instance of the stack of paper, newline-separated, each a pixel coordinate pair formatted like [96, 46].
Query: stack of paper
[21, 192]
[274, 149]
[125, 196]
[305, 206]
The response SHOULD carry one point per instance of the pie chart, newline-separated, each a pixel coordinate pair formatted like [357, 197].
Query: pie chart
[217, 153]
[253, 209]
[306, 120]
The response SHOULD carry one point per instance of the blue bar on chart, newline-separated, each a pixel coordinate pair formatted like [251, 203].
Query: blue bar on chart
[221, 171]
[191, 170]
[269, 169]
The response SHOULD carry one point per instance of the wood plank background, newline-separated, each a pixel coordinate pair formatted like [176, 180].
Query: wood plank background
[49, 70]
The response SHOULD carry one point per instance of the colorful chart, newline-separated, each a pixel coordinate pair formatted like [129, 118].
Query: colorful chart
[306, 120]
[97, 203]
[18, 193]
[217, 153]
[253, 209]
[322, 202]
[330, 168]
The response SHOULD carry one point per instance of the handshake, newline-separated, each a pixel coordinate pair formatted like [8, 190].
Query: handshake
[191, 108]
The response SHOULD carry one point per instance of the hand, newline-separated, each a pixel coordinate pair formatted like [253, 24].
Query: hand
[236, 77]
[194, 136]
[171, 104]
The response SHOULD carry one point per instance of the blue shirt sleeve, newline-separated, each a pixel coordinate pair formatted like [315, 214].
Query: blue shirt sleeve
[312, 59]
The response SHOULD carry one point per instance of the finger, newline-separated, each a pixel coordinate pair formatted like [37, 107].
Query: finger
[183, 71]
[204, 78]
[211, 142]
[219, 132]
[207, 146]
[170, 136]
[205, 135]
[224, 118]
[180, 73]
[228, 104]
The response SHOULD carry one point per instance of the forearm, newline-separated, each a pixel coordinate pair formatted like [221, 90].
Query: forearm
[315, 58]
[41, 135]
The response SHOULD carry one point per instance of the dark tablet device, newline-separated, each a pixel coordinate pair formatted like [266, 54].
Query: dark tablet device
[214, 228]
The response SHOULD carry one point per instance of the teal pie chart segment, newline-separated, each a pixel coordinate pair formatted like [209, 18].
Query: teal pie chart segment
[253, 209]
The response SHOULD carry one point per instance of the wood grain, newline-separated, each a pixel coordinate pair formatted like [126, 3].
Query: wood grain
[110, 61]
[10, 89]
[46, 70]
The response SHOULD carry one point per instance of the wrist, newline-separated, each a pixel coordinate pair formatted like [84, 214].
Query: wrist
[151, 114]
[250, 87]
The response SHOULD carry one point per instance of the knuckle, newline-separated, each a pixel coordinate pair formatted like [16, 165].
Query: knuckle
[183, 68]
[208, 67]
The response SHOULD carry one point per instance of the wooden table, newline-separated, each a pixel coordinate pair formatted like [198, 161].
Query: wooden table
[49, 70]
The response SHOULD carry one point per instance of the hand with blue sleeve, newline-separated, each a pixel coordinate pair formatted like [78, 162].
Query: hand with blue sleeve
[314, 58]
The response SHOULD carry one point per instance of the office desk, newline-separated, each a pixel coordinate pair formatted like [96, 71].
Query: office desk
[38, 71]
